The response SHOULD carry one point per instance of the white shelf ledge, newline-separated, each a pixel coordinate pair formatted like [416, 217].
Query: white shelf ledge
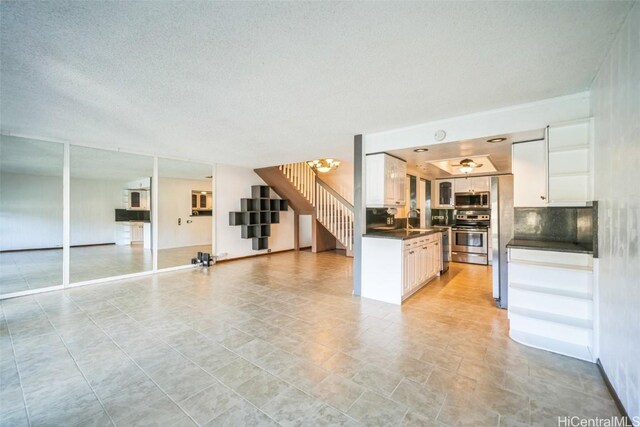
[552, 291]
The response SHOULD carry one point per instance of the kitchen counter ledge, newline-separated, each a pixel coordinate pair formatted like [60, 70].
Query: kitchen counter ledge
[403, 234]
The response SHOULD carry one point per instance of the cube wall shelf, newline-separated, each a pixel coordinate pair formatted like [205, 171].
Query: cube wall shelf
[257, 214]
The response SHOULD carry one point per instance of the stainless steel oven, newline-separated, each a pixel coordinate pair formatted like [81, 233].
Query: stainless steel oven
[470, 241]
[479, 200]
[470, 245]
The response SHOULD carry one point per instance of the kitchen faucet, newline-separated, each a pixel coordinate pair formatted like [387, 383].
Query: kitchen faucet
[413, 213]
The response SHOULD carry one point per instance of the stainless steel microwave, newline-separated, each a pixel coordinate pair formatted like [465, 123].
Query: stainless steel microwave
[478, 200]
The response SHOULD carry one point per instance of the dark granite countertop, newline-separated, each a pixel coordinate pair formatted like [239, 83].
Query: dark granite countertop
[402, 234]
[548, 245]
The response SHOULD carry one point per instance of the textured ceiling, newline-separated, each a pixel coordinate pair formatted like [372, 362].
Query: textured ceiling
[265, 83]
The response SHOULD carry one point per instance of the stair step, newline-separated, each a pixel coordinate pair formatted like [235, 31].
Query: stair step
[553, 304]
[552, 317]
[578, 351]
[552, 291]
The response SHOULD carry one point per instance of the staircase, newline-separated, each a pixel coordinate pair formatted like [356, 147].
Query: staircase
[308, 194]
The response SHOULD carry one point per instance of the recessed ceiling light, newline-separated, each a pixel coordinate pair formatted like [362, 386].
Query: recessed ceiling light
[421, 150]
[494, 140]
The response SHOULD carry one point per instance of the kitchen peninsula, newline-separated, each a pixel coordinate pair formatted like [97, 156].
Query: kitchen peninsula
[398, 263]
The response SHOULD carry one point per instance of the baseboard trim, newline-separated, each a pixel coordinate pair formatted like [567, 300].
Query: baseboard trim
[56, 248]
[253, 256]
[614, 394]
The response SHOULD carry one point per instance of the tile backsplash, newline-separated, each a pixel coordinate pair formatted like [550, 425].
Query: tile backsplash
[558, 224]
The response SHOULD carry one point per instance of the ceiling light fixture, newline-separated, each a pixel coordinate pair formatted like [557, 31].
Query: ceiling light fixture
[324, 165]
[467, 165]
[421, 150]
[494, 140]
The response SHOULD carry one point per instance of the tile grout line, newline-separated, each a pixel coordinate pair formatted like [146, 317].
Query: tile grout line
[15, 362]
[249, 361]
[130, 358]
[73, 358]
[190, 360]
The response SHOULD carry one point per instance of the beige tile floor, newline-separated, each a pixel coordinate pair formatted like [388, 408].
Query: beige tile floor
[26, 270]
[279, 340]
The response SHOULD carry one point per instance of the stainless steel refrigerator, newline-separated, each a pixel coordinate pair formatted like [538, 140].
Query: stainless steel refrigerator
[501, 233]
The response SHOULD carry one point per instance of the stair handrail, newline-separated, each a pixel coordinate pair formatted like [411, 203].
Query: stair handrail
[303, 178]
[332, 210]
[334, 193]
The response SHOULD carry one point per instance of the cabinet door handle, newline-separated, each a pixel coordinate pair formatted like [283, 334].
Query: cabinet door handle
[425, 247]
[543, 198]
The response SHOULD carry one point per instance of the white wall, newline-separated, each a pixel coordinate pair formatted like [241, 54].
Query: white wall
[341, 179]
[305, 231]
[30, 211]
[517, 118]
[93, 205]
[174, 201]
[231, 184]
[615, 100]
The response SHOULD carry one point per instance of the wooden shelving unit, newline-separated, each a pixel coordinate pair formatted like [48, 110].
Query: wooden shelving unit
[257, 214]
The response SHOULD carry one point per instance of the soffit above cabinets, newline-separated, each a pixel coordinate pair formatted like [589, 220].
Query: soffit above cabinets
[452, 166]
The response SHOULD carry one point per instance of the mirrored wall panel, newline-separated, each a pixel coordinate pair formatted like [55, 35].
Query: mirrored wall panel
[110, 214]
[185, 208]
[30, 214]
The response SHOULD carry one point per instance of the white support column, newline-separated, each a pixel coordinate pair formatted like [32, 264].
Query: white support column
[66, 213]
[155, 184]
[214, 217]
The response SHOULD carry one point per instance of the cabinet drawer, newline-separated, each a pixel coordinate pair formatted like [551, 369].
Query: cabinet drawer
[433, 238]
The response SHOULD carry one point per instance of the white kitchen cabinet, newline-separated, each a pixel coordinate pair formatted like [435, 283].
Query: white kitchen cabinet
[385, 181]
[529, 169]
[442, 194]
[138, 200]
[137, 232]
[551, 301]
[394, 269]
[412, 267]
[481, 184]
[471, 184]
[570, 163]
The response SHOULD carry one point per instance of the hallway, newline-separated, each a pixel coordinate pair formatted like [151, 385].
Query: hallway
[279, 339]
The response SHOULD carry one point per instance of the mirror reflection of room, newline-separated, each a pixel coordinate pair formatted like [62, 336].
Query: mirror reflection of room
[110, 214]
[185, 209]
[30, 214]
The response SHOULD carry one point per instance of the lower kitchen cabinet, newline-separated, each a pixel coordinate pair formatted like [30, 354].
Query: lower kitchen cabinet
[551, 304]
[393, 269]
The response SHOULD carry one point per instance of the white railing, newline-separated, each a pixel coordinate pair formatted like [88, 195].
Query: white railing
[332, 210]
[335, 215]
[303, 178]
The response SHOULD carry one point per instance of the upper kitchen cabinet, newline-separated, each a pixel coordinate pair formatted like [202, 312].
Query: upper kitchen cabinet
[138, 200]
[471, 184]
[442, 194]
[385, 181]
[529, 169]
[570, 171]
